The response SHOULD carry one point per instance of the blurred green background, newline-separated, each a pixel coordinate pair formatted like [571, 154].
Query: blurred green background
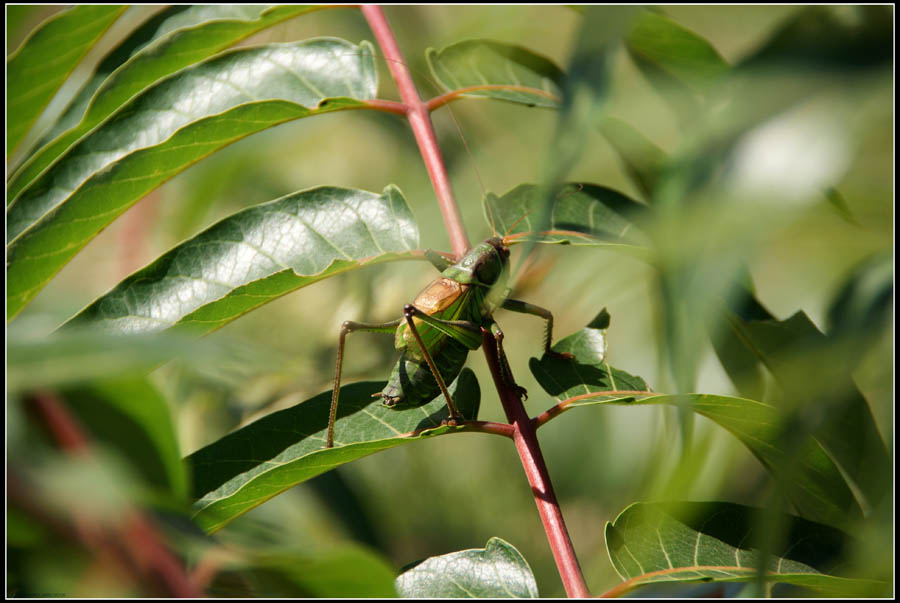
[453, 493]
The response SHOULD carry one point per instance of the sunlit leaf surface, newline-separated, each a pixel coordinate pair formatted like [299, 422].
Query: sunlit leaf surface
[255, 256]
[164, 130]
[40, 66]
[177, 37]
[496, 571]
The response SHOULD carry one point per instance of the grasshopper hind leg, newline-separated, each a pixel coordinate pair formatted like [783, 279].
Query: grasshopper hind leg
[349, 327]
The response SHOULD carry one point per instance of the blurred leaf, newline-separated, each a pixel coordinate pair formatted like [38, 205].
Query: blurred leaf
[530, 79]
[813, 482]
[496, 571]
[255, 256]
[838, 415]
[682, 65]
[586, 90]
[837, 201]
[739, 361]
[130, 415]
[642, 159]
[176, 38]
[277, 452]
[163, 131]
[346, 572]
[819, 37]
[580, 214]
[38, 68]
[75, 357]
[714, 542]
[863, 302]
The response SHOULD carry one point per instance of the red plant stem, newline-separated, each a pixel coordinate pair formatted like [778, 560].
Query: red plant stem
[532, 459]
[555, 411]
[420, 122]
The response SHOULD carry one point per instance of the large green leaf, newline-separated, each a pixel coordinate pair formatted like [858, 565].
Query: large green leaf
[176, 38]
[277, 452]
[36, 71]
[812, 480]
[715, 542]
[255, 256]
[579, 214]
[513, 73]
[496, 571]
[680, 63]
[166, 129]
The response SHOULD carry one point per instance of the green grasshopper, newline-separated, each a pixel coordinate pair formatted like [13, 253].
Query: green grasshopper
[442, 325]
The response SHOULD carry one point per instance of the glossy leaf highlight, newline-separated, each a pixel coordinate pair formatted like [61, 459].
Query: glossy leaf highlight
[496, 571]
[255, 256]
[163, 131]
[180, 37]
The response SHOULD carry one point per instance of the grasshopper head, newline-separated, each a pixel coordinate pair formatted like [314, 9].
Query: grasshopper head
[489, 260]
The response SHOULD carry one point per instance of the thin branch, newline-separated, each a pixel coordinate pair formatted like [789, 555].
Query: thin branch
[388, 106]
[532, 459]
[420, 122]
[558, 409]
[443, 99]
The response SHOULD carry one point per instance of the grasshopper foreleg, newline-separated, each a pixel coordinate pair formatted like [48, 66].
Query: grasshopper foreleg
[515, 305]
[349, 327]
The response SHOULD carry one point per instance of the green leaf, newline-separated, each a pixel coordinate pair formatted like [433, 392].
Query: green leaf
[255, 256]
[813, 482]
[163, 131]
[681, 64]
[37, 70]
[277, 452]
[589, 372]
[346, 572]
[519, 75]
[132, 416]
[714, 542]
[496, 571]
[180, 36]
[579, 214]
[642, 159]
